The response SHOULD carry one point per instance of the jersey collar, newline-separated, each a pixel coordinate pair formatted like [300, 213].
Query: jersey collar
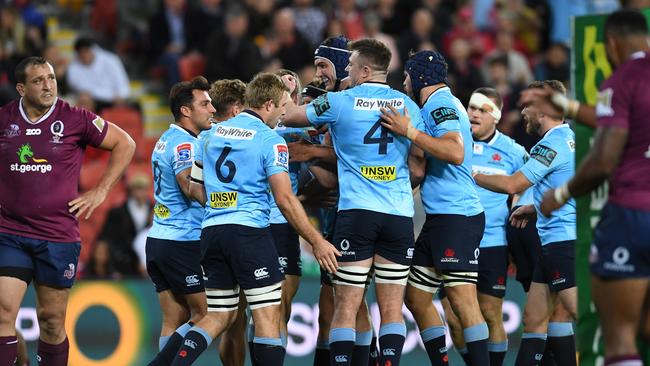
[436, 92]
[250, 113]
[378, 84]
[637, 55]
[563, 125]
[173, 125]
[43, 118]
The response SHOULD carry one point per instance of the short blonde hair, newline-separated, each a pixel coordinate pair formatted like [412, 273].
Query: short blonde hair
[265, 86]
[225, 93]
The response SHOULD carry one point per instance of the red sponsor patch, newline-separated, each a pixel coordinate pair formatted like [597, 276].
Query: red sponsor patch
[496, 157]
[449, 252]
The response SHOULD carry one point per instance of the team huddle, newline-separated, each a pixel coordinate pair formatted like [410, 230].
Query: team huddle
[231, 176]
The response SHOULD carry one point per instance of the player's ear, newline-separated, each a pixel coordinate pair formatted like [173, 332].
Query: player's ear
[186, 110]
[20, 88]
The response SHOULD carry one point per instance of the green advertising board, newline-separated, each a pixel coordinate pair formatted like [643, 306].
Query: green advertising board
[117, 323]
[589, 68]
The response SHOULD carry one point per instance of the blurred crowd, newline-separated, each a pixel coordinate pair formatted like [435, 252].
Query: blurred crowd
[504, 44]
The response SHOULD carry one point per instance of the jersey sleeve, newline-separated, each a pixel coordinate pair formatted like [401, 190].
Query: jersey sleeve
[520, 156]
[200, 146]
[416, 116]
[614, 104]
[183, 151]
[275, 155]
[442, 118]
[544, 158]
[325, 109]
[94, 128]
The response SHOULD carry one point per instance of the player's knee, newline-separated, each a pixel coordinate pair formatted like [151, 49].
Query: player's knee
[492, 312]
[264, 296]
[51, 323]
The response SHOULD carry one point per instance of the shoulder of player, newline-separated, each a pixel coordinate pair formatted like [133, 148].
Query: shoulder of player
[66, 109]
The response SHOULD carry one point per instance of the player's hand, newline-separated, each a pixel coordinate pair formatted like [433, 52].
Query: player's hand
[541, 98]
[398, 123]
[87, 202]
[300, 151]
[325, 253]
[520, 217]
[549, 203]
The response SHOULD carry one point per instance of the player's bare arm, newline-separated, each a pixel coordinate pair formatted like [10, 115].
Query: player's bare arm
[302, 150]
[448, 147]
[296, 116]
[183, 180]
[597, 166]
[556, 104]
[293, 211]
[510, 184]
[122, 147]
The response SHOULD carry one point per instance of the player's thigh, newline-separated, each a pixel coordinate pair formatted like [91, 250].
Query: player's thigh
[493, 271]
[290, 288]
[619, 302]
[12, 290]
[15, 262]
[491, 308]
[539, 307]
[287, 244]
[174, 309]
[176, 265]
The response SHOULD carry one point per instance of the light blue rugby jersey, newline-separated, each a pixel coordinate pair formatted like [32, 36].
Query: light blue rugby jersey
[372, 162]
[289, 134]
[239, 155]
[500, 155]
[176, 217]
[551, 164]
[447, 188]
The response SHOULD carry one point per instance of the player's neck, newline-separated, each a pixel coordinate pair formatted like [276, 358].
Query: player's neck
[34, 113]
[426, 92]
[188, 126]
[261, 113]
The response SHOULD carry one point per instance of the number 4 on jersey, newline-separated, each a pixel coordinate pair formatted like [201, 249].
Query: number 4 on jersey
[383, 140]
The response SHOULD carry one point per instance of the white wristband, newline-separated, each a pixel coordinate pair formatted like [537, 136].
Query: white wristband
[562, 194]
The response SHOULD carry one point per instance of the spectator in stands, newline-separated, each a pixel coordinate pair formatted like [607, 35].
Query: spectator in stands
[99, 73]
[206, 19]
[7, 88]
[554, 64]
[347, 13]
[86, 101]
[518, 68]
[100, 265]
[310, 21]
[18, 38]
[372, 27]
[480, 42]
[230, 53]
[124, 222]
[52, 53]
[168, 37]
[260, 14]
[420, 32]
[291, 50]
[463, 75]
[523, 21]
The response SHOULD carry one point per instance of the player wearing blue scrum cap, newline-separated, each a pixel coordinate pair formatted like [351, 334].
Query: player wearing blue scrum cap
[447, 249]
[331, 59]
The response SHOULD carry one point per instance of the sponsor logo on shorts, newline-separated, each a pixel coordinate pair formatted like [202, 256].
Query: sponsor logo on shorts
[161, 211]
[388, 352]
[477, 252]
[345, 245]
[409, 252]
[190, 343]
[379, 173]
[234, 133]
[192, 280]
[223, 199]
[261, 273]
[449, 256]
[538, 356]
[501, 283]
[557, 278]
[69, 273]
[25, 158]
[620, 257]
[374, 354]
[374, 104]
[341, 359]
[284, 262]
[33, 132]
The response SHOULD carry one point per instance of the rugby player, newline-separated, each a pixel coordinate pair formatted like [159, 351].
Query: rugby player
[374, 225]
[173, 250]
[42, 140]
[242, 158]
[447, 250]
[620, 254]
[551, 164]
[493, 153]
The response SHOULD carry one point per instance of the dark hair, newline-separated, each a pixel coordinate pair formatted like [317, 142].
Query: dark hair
[225, 93]
[498, 60]
[556, 85]
[20, 73]
[83, 42]
[181, 94]
[626, 22]
[492, 94]
[374, 52]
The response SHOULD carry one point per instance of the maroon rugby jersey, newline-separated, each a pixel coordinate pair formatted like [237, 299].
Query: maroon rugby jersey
[624, 101]
[39, 169]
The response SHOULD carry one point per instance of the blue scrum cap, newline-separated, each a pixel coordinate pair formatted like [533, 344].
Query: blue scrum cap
[335, 50]
[426, 68]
